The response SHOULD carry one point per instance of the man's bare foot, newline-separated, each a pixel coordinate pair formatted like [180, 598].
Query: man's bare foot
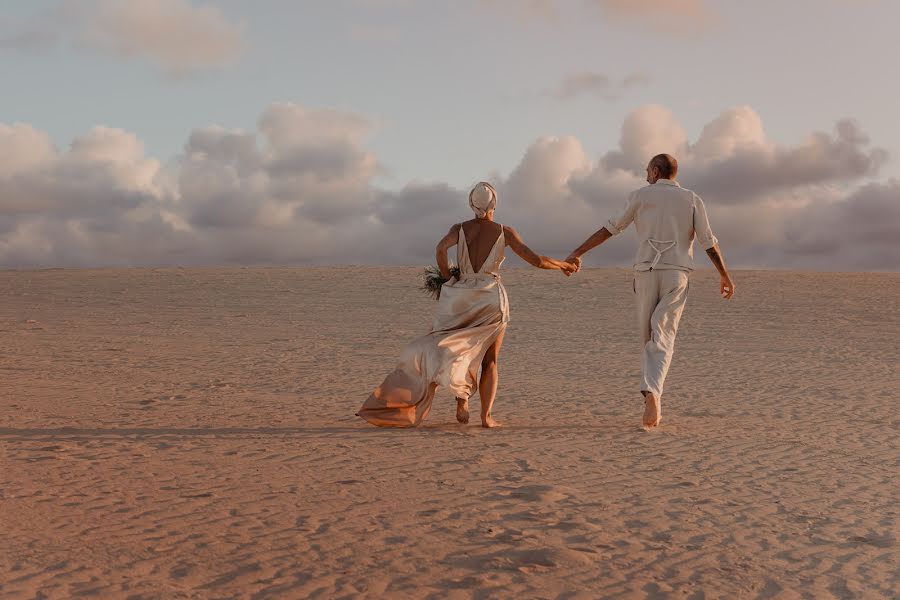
[652, 410]
[462, 410]
[488, 422]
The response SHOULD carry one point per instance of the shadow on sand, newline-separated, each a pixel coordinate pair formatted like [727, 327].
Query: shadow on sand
[11, 434]
[74, 433]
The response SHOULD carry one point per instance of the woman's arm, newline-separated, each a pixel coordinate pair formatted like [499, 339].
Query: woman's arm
[514, 241]
[447, 242]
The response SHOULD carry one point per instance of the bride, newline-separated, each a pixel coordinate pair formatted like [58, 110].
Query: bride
[468, 328]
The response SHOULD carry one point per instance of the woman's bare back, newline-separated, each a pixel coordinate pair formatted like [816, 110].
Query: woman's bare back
[481, 235]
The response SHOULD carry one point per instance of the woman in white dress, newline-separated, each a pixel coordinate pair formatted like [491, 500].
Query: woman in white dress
[469, 324]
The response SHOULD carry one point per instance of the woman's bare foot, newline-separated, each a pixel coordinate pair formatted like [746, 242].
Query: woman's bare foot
[462, 410]
[488, 422]
[652, 410]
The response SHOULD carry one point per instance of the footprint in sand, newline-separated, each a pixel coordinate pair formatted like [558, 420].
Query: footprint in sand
[536, 493]
[534, 559]
[879, 541]
[524, 465]
[182, 570]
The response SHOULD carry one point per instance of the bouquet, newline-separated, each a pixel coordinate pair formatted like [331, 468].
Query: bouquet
[433, 280]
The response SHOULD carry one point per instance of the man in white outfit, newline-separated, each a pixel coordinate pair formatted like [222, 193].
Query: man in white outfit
[667, 219]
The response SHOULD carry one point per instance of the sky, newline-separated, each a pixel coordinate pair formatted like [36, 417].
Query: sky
[194, 132]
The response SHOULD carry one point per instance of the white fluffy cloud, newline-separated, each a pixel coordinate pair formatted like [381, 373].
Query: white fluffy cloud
[300, 190]
[645, 131]
[734, 160]
[22, 147]
[178, 36]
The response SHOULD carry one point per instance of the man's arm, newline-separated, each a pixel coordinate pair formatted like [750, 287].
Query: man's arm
[726, 285]
[615, 225]
[708, 242]
[597, 238]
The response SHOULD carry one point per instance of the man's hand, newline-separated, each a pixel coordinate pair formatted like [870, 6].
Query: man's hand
[726, 287]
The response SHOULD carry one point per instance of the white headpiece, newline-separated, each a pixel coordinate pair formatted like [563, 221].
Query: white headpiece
[483, 199]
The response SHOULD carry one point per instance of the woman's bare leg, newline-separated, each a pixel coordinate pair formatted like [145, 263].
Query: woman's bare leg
[462, 410]
[487, 387]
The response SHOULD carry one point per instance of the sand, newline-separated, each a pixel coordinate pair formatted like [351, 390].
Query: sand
[189, 433]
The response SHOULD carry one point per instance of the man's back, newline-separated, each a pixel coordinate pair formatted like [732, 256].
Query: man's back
[666, 217]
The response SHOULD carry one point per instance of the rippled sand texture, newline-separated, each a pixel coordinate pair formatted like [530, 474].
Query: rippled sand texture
[190, 434]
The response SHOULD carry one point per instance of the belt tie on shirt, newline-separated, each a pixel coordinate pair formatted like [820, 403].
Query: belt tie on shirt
[659, 251]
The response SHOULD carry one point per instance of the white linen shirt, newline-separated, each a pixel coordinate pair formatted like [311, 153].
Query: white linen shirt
[667, 218]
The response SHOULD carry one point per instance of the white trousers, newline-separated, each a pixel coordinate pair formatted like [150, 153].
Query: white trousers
[660, 294]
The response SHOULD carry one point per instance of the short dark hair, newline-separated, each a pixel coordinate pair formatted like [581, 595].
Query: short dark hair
[667, 165]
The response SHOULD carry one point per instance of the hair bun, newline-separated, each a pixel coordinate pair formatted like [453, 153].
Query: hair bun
[483, 199]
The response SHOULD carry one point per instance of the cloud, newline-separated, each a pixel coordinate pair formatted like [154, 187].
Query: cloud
[379, 4]
[374, 34]
[22, 147]
[99, 202]
[635, 80]
[857, 232]
[591, 83]
[295, 190]
[174, 34]
[38, 33]
[762, 195]
[300, 189]
[177, 36]
[29, 38]
[541, 10]
[647, 131]
[771, 205]
[677, 18]
[672, 16]
[734, 159]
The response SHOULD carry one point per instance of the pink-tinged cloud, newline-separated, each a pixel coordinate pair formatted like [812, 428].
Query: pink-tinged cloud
[671, 16]
[175, 34]
[178, 36]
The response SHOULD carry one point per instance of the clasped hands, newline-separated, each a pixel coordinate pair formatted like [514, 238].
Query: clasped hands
[571, 265]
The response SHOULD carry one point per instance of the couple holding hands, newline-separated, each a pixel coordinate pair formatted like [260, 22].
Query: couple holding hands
[473, 309]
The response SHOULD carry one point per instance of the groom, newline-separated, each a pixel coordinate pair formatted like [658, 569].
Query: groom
[667, 218]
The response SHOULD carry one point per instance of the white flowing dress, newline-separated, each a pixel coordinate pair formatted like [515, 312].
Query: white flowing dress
[472, 312]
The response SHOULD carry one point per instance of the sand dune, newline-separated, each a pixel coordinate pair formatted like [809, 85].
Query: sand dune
[189, 433]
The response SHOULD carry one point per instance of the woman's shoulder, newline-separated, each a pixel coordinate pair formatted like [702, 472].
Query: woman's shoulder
[481, 225]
